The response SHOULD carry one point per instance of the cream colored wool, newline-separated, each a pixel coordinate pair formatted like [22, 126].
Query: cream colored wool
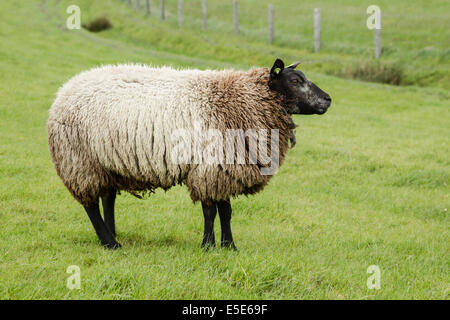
[111, 127]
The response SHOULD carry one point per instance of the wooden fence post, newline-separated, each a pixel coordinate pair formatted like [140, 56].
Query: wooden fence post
[317, 22]
[235, 17]
[377, 39]
[147, 2]
[162, 10]
[204, 14]
[180, 13]
[270, 23]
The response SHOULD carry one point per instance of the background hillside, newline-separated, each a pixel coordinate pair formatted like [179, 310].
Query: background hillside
[367, 183]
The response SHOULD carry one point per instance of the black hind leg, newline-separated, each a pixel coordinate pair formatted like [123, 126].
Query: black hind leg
[209, 213]
[108, 210]
[224, 207]
[105, 236]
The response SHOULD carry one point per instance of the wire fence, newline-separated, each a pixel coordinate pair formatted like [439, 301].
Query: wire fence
[153, 11]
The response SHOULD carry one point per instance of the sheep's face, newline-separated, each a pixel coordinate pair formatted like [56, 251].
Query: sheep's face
[299, 95]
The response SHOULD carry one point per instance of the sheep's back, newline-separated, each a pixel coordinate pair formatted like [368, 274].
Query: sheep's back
[126, 115]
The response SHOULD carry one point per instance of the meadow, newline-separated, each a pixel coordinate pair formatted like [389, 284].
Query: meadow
[367, 183]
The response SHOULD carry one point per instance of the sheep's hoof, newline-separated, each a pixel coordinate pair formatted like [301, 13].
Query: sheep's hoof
[229, 245]
[206, 246]
[113, 246]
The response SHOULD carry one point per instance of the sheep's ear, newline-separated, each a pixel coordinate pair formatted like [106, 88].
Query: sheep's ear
[277, 67]
[293, 66]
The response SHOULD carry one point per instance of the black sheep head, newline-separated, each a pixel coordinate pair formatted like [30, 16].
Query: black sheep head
[298, 94]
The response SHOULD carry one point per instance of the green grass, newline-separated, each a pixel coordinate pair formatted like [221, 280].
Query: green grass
[367, 183]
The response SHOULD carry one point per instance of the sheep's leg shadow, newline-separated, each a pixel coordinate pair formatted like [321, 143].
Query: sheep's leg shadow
[209, 213]
[105, 236]
[224, 207]
[108, 202]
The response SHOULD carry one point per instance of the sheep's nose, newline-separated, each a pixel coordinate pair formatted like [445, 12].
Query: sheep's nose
[328, 100]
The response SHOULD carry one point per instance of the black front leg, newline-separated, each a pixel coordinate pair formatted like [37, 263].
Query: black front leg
[209, 213]
[108, 201]
[224, 207]
[104, 234]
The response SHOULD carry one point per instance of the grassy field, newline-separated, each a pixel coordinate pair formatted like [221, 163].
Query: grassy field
[367, 183]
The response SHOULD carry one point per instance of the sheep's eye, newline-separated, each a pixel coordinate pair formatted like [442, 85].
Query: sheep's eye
[295, 81]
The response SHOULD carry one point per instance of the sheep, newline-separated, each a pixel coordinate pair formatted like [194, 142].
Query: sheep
[111, 129]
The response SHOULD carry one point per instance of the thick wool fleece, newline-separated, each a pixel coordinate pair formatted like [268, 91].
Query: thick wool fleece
[111, 128]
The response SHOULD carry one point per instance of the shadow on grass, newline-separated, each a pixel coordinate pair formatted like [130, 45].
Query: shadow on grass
[129, 240]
